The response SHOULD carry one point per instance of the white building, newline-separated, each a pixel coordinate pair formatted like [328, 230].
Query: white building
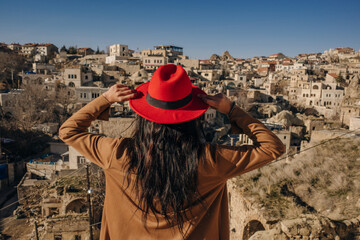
[119, 50]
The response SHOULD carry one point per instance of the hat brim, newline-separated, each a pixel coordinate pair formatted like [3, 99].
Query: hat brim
[194, 109]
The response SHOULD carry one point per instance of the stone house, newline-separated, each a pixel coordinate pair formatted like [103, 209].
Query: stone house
[16, 47]
[28, 50]
[85, 51]
[77, 76]
[152, 62]
[119, 50]
[46, 49]
[85, 95]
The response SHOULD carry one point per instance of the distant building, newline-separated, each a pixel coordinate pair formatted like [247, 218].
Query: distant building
[169, 51]
[87, 94]
[154, 61]
[46, 49]
[43, 49]
[77, 76]
[277, 56]
[76, 159]
[85, 51]
[119, 50]
[28, 50]
[16, 47]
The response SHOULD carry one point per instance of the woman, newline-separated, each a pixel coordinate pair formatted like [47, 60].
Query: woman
[165, 182]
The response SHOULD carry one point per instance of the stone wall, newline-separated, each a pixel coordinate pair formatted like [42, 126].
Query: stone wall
[245, 218]
[248, 222]
[311, 227]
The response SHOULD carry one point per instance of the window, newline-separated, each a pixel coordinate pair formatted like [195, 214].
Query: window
[80, 159]
[75, 76]
[81, 95]
[57, 237]
[86, 77]
[77, 237]
[284, 137]
[84, 95]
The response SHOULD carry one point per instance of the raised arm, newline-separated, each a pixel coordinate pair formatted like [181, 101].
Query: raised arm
[74, 131]
[231, 161]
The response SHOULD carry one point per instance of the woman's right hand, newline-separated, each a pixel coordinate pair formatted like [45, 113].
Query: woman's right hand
[219, 102]
[119, 93]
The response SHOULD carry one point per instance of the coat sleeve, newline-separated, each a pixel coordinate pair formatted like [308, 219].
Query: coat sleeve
[231, 161]
[98, 149]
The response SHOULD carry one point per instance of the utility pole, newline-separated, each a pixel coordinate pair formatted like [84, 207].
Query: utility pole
[36, 231]
[12, 78]
[88, 199]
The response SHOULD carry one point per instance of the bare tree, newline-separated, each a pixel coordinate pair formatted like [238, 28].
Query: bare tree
[36, 105]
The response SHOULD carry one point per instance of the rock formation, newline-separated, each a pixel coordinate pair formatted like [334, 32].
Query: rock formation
[286, 118]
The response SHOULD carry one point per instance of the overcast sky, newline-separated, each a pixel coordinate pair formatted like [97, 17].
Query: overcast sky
[244, 28]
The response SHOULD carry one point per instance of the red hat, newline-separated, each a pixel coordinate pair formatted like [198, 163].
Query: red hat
[169, 97]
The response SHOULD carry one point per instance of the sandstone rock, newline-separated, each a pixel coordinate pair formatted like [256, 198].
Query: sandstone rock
[286, 118]
[271, 234]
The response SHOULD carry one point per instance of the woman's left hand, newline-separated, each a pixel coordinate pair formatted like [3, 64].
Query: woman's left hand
[119, 93]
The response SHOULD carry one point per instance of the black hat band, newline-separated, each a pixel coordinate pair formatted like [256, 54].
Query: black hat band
[168, 104]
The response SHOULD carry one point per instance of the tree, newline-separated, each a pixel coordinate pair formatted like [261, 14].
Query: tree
[72, 50]
[10, 65]
[97, 50]
[341, 81]
[35, 105]
[63, 49]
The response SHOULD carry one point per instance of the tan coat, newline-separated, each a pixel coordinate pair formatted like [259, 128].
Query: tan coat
[121, 217]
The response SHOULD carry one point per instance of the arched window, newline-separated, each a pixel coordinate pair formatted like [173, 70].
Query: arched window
[251, 228]
[71, 84]
[77, 206]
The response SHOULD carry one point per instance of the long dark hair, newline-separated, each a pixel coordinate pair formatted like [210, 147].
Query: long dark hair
[164, 159]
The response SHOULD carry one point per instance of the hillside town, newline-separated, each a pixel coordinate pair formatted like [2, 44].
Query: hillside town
[304, 100]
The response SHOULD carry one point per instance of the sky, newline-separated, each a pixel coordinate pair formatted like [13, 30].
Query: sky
[244, 28]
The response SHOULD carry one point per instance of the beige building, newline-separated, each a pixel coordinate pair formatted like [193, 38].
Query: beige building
[119, 50]
[76, 159]
[43, 68]
[77, 76]
[15, 47]
[85, 95]
[28, 50]
[210, 74]
[169, 51]
[85, 51]
[354, 123]
[154, 61]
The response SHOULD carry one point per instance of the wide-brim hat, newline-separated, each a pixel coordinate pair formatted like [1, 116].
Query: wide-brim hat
[169, 97]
